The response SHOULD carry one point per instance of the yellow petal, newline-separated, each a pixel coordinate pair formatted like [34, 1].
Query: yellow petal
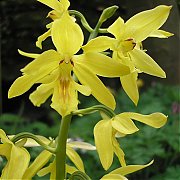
[67, 36]
[42, 38]
[118, 135]
[119, 152]
[155, 120]
[43, 60]
[5, 150]
[50, 78]
[81, 145]
[51, 168]
[70, 169]
[144, 23]
[32, 143]
[102, 65]
[146, 64]
[113, 177]
[31, 55]
[99, 44]
[37, 164]
[21, 142]
[65, 4]
[161, 34]
[48, 26]
[17, 163]
[3, 137]
[85, 90]
[86, 77]
[35, 71]
[21, 85]
[103, 142]
[54, 4]
[124, 124]
[64, 98]
[117, 28]
[129, 169]
[104, 115]
[56, 104]
[129, 84]
[53, 172]
[41, 94]
[75, 158]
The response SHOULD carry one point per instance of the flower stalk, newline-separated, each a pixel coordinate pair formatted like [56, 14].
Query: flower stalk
[61, 147]
[106, 14]
[25, 135]
[93, 109]
[82, 18]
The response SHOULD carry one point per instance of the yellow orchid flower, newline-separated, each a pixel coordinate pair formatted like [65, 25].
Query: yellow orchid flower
[120, 173]
[53, 70]
[59, 8]
[127, 45]
[106, 131]
[17, 158]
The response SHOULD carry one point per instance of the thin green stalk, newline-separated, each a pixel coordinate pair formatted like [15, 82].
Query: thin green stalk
[109, 112]
[103, 30]
[61, 147]
[34, 137]
[95, 32]
[83, 19]
[106, 14]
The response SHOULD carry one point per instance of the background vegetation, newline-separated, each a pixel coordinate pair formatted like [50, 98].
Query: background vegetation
[23, 21]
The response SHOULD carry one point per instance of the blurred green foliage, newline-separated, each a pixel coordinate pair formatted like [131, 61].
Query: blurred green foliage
[162, 145]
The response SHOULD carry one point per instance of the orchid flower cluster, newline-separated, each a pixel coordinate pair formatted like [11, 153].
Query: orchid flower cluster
[72, 68]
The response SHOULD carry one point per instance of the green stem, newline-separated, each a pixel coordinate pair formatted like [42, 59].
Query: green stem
[109, 112]
[83, 19]
[106, 14]
[61, 147]
[0, 81]
[85, 23]
[103, 30]
[94, 33]
[34, 137]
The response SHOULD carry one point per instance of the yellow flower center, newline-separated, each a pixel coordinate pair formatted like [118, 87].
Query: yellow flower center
[125, 46]
[64, 88]
[65, 68]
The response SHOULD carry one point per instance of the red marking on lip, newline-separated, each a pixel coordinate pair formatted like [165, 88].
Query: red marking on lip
[61, 61]
[134, 44]
[130, 39]
[72, 62]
